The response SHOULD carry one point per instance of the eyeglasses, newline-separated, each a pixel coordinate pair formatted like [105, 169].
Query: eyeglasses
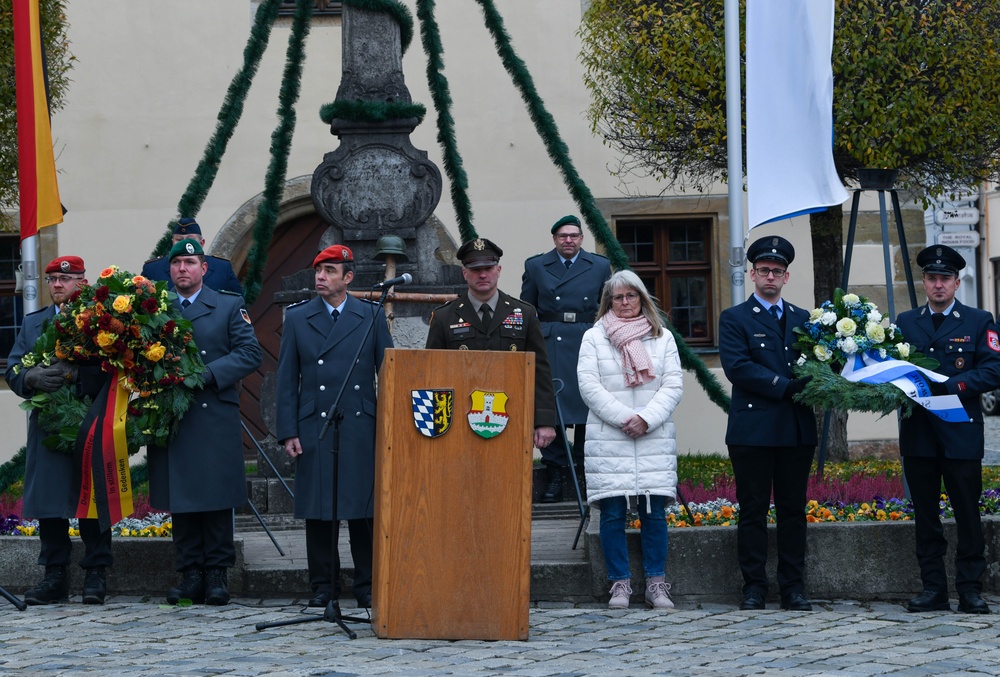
[568, 236]
[61, 279]
[764, 272]
[631, 297]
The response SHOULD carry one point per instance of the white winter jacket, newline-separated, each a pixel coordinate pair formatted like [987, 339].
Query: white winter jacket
[617, 465]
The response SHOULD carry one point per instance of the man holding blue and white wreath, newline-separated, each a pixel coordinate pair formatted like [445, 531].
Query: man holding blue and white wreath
[965, 342]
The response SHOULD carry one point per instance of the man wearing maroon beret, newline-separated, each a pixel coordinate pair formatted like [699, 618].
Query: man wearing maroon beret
[48, 474]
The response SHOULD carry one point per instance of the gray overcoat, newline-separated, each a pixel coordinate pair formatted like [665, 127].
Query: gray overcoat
[314, 357]
[202, 467]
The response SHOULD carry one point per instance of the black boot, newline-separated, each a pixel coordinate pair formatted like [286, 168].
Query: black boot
[216, 587]
[51, 589]
[553, 484]
[95, 586]
[192, 587]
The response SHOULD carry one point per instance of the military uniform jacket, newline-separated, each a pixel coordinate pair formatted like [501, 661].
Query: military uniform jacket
[202, 468]
[48, 475]
[314, 358]
[757, 358]
[968, 349]
[220, 275]
[515, 326]
[555, 291]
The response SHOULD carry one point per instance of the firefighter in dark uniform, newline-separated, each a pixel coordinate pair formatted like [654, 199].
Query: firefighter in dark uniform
[484, 318]
[220, 275]
[771, 439]
[564, 284]
[965, 342]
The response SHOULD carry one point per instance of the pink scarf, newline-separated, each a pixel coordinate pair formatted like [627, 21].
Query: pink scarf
[626, 335]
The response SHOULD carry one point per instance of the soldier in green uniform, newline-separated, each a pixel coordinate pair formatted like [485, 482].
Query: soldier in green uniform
[485, 318]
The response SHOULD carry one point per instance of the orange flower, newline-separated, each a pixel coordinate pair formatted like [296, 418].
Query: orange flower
[61, 352]
[811, 518]
[109, 271]
[726, 511]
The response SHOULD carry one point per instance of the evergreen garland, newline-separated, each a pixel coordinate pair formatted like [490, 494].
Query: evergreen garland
[557, 149]
[281, 143]
[458, 180]
[228, 117]
[399, 12]
[377, 111]
[12, 472]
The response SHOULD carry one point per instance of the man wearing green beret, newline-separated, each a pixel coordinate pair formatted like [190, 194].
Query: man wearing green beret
[564, 284]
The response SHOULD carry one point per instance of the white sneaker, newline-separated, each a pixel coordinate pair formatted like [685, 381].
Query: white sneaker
[658, 593]
[620, 592]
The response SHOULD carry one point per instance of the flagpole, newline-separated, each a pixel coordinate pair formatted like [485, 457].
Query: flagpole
[29, 272]
[734, 146]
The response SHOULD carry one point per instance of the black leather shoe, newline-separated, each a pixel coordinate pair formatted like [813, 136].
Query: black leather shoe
[796, 601]
[929, 600]
[216, 587]
[365, 601]
[972, 603]
[320, 599]
[553, 484]
[51, 589]
[192, 587]
[95, 586]
[752, 601]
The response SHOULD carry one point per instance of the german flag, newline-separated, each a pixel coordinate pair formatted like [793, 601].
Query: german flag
[36, 164]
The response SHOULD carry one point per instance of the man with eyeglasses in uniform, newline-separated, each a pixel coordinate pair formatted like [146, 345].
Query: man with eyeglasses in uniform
[771, 439]
[564, 284]
[48, 475]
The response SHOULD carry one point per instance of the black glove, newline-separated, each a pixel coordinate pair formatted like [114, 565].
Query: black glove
[796, 386]
[47, 379]
[937, 388]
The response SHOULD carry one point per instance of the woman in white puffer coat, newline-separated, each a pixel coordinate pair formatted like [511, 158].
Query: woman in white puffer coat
[630, 378]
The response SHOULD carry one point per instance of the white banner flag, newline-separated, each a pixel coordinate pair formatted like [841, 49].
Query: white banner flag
[789, 109]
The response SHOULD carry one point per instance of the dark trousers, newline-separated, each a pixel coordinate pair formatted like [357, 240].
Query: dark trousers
[963, 480]
[555, 453]
[758, 471]
[56, 548]
[323, 556]
[204, 540]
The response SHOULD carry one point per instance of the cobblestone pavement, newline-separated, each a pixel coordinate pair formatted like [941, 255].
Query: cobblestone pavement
[129, 636]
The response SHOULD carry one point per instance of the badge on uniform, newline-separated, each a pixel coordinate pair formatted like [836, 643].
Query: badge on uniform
[246, 315]
[993, 341]
[433, 411]
[515, 320]
[488, 416]
[460, 328]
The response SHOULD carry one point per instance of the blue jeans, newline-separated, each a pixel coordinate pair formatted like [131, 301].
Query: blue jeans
[654, 536]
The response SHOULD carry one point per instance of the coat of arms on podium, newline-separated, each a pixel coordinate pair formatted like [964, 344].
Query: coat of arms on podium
[488, 416]
[433, 411]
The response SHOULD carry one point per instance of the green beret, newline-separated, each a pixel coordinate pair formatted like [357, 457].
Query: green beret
[186, 248]
[566, 221]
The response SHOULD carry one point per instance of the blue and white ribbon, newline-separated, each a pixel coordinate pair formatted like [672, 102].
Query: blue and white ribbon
[869, 367]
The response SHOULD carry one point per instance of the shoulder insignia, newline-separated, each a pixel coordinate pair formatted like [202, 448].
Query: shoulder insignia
[297, 303]
[228, 292]
[535, 256]
[154, 260]
[245, 315]
[217, 258]
[993, 341]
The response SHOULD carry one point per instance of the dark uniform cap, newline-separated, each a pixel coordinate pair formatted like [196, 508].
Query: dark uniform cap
[337, 253]
[771, 247]
[66, 264]
[566, 221]
[940, 259]
[186, 248]
[480, 253]
[187, 226]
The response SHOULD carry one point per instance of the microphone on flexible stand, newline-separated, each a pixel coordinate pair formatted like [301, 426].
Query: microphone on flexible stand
[405, 278]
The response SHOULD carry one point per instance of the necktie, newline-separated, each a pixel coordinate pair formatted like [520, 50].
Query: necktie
[185, 303]
[938, 320]
[567, 263]
[487, 314]
[335, 314]
[774, 313]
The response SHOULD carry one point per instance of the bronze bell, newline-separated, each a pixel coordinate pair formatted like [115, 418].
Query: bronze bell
[390, 245]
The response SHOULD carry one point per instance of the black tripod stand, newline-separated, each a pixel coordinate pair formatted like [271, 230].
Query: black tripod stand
[21, 606]
[334, 417]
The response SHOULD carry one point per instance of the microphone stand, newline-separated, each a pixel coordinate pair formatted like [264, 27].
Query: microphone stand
[334, 417]
[17, 602]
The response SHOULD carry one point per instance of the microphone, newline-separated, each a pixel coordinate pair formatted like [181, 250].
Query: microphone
[405, 278]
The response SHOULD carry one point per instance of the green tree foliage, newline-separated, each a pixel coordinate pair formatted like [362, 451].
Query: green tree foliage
[915, 88]
[59, 61]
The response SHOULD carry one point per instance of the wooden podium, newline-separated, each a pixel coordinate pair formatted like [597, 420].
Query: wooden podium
[452, 531]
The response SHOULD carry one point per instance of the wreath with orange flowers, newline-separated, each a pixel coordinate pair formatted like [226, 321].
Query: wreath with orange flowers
[130, 327]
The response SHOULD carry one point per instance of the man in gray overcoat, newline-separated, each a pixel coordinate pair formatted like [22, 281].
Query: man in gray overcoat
[48, 475]
[564, 284]
[319, 339]
[200, 476]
